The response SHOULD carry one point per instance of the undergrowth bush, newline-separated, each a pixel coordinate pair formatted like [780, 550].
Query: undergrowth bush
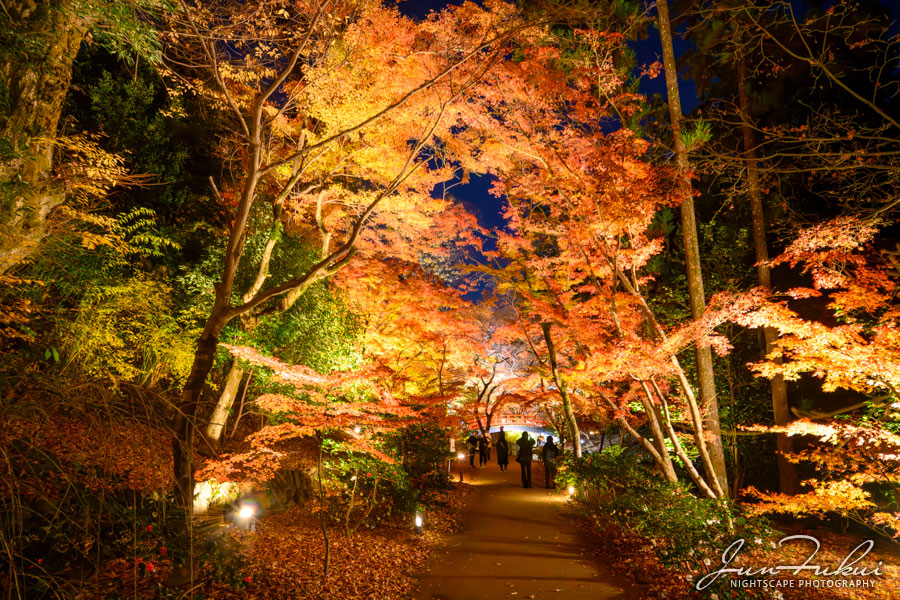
[365, 490]
[425, 450]
[687, 532]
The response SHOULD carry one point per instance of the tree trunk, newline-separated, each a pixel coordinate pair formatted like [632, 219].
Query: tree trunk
[563, 394]
[323, 514]
[789, 483]
[35, 80]
[185, 420]
[223, 406]
[709, 404]
[655, 420]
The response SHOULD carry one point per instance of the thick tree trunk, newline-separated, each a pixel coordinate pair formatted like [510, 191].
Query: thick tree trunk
[35, 79]
[563, 394]
[787, 472]
[708, 401]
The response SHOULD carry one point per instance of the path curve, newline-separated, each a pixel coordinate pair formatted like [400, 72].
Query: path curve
[515, 544]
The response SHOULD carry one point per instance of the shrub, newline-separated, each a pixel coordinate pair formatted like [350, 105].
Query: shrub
[364, 489]
[686, 531]
[425, 451]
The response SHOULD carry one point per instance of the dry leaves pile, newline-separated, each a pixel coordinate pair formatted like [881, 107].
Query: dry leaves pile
[284, 560]
[287, 556]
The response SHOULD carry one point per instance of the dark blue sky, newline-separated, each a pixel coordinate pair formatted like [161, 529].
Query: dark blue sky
[420, 8]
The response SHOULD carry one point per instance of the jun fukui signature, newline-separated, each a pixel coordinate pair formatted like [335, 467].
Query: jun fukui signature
[847, 567]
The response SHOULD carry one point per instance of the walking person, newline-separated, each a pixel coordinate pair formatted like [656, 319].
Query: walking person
[487, 439]
[502, 451]
[482, 451]
[526, 447]
[548, 454]
[472, 444]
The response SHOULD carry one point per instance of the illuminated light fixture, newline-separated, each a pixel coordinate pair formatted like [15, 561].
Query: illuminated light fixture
[357, 429]
[246, 512]
[461, 456]
[571, 489]
[420, 523]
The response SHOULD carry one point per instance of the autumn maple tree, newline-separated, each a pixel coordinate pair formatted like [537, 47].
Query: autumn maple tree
[334, 124]
[856, 352]
[581, 200]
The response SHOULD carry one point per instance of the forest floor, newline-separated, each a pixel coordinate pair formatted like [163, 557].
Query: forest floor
[516, 543]
[284, 560]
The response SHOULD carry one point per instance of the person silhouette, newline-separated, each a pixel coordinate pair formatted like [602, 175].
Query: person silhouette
[471, 445]
[548, 455]
[502, 451]
[526, 447]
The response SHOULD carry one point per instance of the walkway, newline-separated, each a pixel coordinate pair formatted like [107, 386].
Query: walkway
[515, 544]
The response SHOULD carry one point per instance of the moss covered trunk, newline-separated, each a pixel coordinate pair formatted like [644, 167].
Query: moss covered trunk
[38, 43]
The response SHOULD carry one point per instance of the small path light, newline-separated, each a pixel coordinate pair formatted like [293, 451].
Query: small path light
[246, 515]
[420, 523]
[461, 456]
[571, 490]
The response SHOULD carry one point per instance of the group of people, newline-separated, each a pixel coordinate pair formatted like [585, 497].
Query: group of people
[524, 451]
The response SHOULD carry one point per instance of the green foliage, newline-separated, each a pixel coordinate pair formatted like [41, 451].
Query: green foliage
[365, 490]
[135, 112]
[142, 118]
[370, 490]
[685, 529]
[137, 230]
[696, 136]
[425, 452]
[125, 330]
[317, 331]
[99, 250]
[126, 28]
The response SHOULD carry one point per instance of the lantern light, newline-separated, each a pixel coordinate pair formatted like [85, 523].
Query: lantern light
[571, 489]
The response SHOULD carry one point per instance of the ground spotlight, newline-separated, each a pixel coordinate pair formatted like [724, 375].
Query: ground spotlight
[420, 523]
[571, 490]
[245, 515]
